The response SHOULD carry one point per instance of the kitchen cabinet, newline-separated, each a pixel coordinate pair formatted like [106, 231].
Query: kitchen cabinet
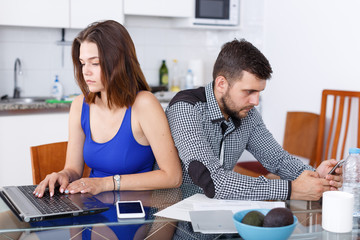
[58, 13]
[84, 12]
[18, 133]
[160, 8]
[35, 13]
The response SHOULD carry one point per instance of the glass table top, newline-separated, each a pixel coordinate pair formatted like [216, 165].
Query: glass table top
[106, 225]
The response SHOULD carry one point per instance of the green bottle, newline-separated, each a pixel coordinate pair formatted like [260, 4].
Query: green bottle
[164, 74]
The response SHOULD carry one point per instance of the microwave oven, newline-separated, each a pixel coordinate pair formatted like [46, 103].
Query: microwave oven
[216, 12]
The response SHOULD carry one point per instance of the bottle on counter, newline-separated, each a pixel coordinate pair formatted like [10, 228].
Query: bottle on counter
[351, 177]
[189, 80]
[164, 74]
[57, 89]
[175, 79]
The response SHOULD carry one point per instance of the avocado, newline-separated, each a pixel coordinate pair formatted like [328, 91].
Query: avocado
[278, 217]
[254, 218]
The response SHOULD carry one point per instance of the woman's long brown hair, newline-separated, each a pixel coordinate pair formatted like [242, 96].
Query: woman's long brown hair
[121, 73]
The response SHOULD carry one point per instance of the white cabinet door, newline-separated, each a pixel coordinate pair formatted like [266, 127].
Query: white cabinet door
[35, 13]
[18, 134]
[84, 12]
[162, 8]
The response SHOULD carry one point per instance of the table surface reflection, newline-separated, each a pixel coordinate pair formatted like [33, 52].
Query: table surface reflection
[107, 226]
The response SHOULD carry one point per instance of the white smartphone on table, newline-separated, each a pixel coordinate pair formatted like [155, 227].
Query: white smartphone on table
[130, 209]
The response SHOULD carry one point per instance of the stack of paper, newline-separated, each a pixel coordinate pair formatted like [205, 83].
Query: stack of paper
[201, 211]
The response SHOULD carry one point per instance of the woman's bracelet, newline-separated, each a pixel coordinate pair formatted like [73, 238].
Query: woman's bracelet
[113, 183]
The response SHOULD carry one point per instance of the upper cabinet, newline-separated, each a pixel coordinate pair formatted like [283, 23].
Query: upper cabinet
[84, 12]
[159, 8]
[79, 14]
[59, 13]
[35, 13]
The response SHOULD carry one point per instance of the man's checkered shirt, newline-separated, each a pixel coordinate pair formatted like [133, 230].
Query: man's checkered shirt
[199, 128]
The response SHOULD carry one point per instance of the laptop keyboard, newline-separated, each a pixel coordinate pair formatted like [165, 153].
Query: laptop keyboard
[48, 205]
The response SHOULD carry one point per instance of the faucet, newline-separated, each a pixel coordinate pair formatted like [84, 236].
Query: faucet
[17, 71]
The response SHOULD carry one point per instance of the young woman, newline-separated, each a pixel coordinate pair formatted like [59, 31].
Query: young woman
[117, 127]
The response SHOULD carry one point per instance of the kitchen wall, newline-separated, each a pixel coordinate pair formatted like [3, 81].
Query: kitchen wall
[41, 55]
[312, 45]
[155, 39]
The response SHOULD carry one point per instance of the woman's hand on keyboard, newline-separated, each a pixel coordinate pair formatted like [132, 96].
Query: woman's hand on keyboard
[90, 185]
[50, 181]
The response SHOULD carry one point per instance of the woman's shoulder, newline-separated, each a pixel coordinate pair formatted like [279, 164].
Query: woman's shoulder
[78, 102]
[76, 109]
[146, 102]
[145, 99]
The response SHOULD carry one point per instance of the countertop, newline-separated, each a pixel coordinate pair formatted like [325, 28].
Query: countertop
[45, 107]
[31, 108]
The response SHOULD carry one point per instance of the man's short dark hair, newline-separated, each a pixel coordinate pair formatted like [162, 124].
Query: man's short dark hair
[238, 56]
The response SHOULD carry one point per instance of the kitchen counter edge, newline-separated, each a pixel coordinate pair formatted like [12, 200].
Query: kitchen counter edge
[7, 109]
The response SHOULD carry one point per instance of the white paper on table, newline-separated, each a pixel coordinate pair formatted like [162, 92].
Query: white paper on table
[199, 202]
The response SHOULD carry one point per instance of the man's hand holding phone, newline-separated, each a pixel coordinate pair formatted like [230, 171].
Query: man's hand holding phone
[339, 164]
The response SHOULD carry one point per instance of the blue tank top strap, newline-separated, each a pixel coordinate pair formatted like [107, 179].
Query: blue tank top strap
[85, 124]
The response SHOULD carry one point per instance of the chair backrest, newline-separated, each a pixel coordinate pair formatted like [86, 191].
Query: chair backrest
[49, 158]
[299, 139]
[300, 135]
[339, 125]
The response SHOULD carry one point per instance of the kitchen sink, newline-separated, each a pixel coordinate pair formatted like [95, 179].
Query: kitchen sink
[24, 100]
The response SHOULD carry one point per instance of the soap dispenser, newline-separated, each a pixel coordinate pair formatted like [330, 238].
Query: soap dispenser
[57, 89]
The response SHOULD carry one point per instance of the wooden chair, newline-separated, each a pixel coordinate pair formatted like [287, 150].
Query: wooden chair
[49, 158]
[339, 127]
[300, 138]
[301, 131]
[251, 168]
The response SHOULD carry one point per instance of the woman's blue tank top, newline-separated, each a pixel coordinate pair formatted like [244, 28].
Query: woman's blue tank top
[121, 155]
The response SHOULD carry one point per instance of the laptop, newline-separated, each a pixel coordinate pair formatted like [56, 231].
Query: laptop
[28, 208]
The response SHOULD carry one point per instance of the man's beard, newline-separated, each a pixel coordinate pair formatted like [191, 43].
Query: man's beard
[235, 115]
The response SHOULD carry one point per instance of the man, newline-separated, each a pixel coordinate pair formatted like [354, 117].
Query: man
[212, 126]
